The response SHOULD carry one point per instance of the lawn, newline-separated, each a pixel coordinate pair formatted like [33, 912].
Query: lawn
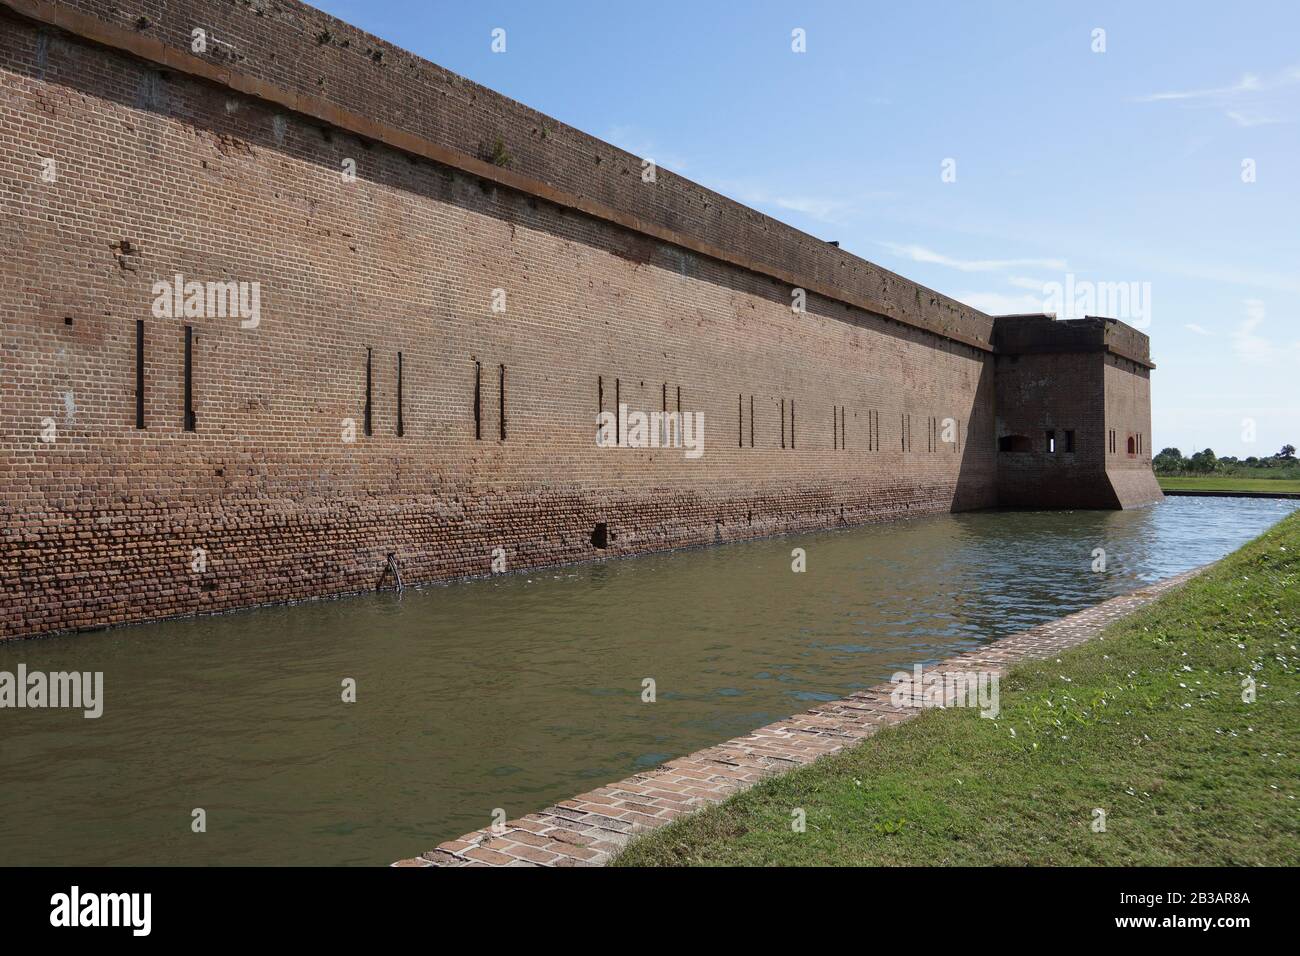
[1147, 724]
[1267, 485]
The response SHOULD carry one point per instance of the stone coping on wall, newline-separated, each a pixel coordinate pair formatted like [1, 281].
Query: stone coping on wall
[589, 829]
[1043, 333]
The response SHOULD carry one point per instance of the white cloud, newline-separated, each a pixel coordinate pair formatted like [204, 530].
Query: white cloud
[1253, 119]
[636, 142]
[837, 209]
[828, 210]
[1000, 303]
[1199, 330]
[1252, 348]
[1249, 83]
[921, 254]
[1240, 101]
[823, 208]
[1024, 282]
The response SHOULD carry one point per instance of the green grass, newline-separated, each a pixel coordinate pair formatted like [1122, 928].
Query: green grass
[1146, 723]
[1230, 484]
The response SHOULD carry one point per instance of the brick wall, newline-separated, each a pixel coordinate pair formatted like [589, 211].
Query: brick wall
[1061, 383]
[1056, 393]
[1128, 415]
[157, 172]
[308, 53]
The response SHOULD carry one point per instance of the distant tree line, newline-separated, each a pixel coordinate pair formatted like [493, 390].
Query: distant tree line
[1284, 464]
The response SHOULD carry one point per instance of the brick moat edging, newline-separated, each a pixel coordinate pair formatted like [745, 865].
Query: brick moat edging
[590, 828]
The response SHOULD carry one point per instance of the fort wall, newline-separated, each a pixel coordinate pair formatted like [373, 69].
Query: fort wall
[1073, 413]
[380, 404]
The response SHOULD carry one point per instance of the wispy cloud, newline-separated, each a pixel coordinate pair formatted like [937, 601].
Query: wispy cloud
[827, 210]
[1025, 282]
[1198, 329]
[1000, 303]
[922, 254]
[1249, 83]
[838, 209]
[1253, 119]
[1253, 348]
[1244, 102]
[639, 143]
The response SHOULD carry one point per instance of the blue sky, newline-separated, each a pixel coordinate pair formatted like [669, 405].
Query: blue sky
[1123, 166]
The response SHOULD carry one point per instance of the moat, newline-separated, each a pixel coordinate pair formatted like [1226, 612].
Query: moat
[520, 690]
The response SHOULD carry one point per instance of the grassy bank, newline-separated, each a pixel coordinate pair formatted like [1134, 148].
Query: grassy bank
[1146, 723]
[1266, 485]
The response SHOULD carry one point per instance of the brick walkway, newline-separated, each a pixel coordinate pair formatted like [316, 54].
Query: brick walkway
[590, 828]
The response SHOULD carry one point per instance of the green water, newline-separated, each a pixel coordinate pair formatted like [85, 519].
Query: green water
[524, 689]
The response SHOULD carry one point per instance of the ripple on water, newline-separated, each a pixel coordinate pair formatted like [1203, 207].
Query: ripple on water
[518, 691]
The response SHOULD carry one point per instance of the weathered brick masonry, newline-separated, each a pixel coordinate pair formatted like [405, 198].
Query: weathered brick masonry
[126, 158]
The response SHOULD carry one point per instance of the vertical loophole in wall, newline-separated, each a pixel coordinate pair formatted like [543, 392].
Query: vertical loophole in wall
[740, 421]
[843, 430]
[502, 398]
[139, 373]
[667, 428]
[189, 379]
[783, 423]
[618, 424]
[792, 423]
[600, 535]
[401, 423]
[369, 419]
[478, 401]
[751, 421]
